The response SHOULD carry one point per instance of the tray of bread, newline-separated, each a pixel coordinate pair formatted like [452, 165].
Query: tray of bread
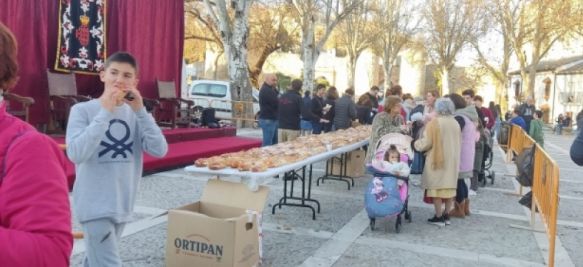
[263, 158]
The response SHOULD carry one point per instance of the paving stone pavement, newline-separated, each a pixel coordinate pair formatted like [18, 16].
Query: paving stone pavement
[340, 235]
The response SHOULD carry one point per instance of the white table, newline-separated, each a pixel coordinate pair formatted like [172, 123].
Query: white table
[254, 179]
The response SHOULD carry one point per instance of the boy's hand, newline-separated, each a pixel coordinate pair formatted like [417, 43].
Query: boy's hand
[109, 99]
[137, 103]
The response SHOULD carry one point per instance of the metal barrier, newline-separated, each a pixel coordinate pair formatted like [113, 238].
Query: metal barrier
[545, 196]
[545, 185]
[236, 109]
[519, 141]
[226, 109]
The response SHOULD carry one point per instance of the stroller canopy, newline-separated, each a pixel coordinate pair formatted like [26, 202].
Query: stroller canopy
[400, 141]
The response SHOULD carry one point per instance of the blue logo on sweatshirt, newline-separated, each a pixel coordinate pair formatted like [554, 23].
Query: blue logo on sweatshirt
[118, 146]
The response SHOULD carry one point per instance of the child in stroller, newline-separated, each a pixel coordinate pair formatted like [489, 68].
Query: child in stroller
[387, 194]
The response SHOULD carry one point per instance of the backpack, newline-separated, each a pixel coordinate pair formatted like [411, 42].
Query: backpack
[525, 166]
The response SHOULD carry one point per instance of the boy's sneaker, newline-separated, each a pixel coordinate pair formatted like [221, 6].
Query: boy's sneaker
[472, 193]
[446, 219]
[439, 221]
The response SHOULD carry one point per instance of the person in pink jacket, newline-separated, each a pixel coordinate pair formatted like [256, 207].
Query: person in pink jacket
[35, 216]
[465, 116]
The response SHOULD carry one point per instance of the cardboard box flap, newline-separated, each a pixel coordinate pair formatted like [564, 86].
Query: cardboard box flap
[235, 195]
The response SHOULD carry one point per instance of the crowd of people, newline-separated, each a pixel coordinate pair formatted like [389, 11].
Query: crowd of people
[459, 125]
[451, 125]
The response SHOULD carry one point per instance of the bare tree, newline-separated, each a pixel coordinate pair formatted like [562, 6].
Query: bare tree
[273, 28]
[199, 30]
[538, 25]
[310, 14]
[502, 13]
[396, 23]
[234, 32]
[356, 34]
[451, 24]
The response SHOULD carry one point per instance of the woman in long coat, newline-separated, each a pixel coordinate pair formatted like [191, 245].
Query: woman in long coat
[441, 142]
[387, 121]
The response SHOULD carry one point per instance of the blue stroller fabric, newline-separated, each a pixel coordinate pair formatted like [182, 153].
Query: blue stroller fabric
[382, 197]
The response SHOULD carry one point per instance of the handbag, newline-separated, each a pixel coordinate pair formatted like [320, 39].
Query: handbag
[426, 199]
[418, 163]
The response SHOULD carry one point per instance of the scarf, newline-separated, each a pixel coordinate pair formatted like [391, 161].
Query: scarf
[435, 135]
[470, 112]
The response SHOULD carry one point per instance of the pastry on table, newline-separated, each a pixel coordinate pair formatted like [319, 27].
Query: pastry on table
[202, 162]
[259, 166]
[217, 165]
[244, 166]
[234, 162]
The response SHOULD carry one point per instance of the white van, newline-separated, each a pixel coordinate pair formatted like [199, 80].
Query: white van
[215, 94]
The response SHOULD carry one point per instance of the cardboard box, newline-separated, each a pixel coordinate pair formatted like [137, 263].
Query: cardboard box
[222, 229]
[354, 161]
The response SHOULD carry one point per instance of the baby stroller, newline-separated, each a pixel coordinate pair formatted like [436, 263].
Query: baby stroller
[387, 194]
[487, 161]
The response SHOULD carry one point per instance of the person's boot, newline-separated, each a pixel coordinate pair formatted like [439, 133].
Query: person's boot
[458, 210]
[466, 207]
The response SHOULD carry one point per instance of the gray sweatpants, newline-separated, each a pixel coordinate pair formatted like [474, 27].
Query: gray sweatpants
[102, 238]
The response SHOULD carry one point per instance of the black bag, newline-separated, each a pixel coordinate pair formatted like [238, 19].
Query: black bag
[525, 166]
[526, 201]
[208, 118]
[504, 133]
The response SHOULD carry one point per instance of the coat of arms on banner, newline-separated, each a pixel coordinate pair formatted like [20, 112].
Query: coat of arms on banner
[81, 46]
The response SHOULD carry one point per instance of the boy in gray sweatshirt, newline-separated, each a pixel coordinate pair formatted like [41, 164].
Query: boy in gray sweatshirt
[105, 139]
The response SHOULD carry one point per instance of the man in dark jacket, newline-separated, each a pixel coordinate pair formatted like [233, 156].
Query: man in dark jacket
[345, 110]
[268, 104]
[289, 112]
[306, 119]
[527, 110]
[317, 109]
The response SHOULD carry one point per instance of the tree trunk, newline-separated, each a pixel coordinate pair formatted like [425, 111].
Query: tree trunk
[236, 50]
[310, 55]
[444, 81]
[216, 64]
[531, 82]
[500, 93]
[387, 69]
[525, 84]
[532, 71]
[256, 71]
[352, 69]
